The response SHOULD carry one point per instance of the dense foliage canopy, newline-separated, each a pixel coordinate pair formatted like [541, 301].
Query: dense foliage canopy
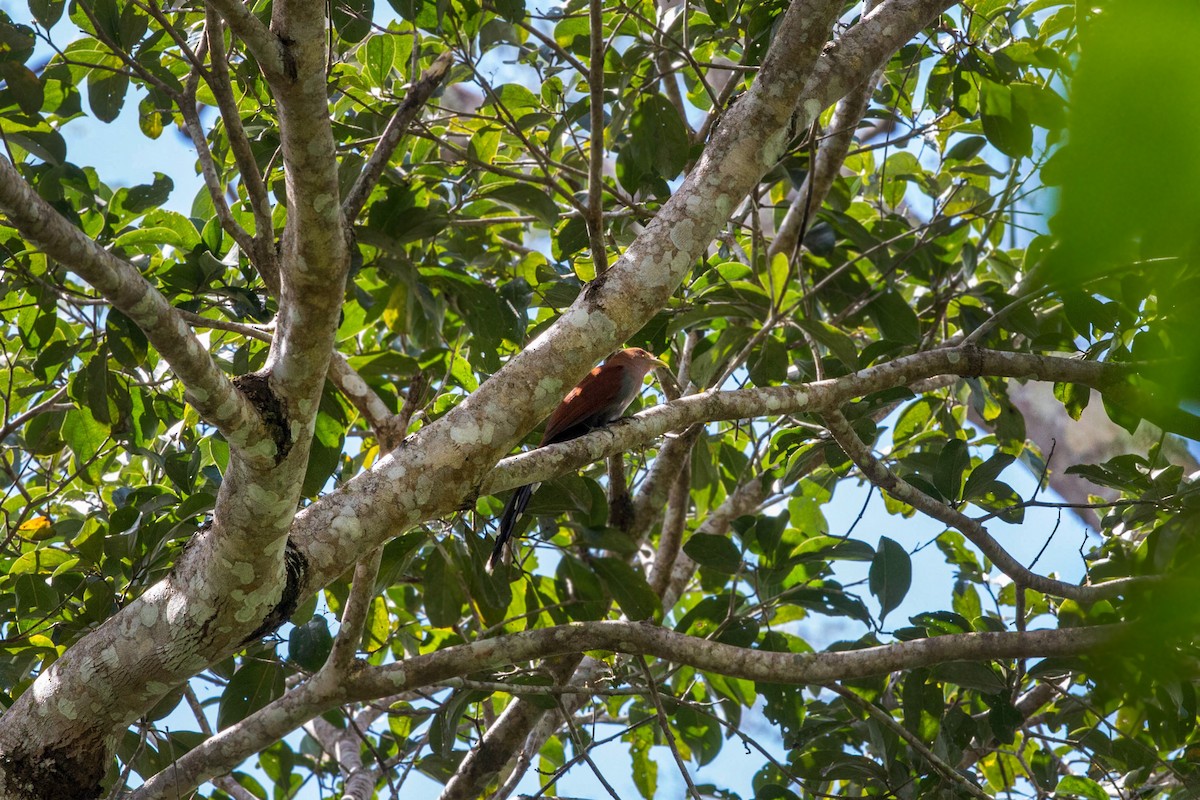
[250, 438]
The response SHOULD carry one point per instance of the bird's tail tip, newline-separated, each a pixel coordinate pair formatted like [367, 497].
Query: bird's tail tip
[497, 557]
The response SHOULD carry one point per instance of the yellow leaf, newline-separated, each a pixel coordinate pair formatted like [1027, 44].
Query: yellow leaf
[36, 529]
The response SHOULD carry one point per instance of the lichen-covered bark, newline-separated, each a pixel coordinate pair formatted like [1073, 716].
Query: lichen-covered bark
[233, 575]
[205, 387]
[439, 467]
[230, 582]
[236, 743]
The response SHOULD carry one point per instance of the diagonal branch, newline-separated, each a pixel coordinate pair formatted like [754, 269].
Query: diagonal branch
[262, 43]
[46, 406]
[814, 397]
[234, 744]
[207, 388]
[878, 474]
[414, 99]
[831, 153]
[354, 616]
[595, 79]
[939, 766]
[262, 252]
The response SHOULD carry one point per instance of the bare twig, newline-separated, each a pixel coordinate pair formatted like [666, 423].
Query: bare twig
[877, 473]
[665, 724]
[354, 614]
[414, 100]
[263, 253]
[47, 406]
[947, 771]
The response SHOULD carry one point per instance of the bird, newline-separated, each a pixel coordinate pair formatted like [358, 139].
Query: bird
[600, 398]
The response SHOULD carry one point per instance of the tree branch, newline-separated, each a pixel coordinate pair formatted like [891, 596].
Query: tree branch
[207, 388]
[46, 406]
[831, 154]
[814, 397]
[414, 100]
[939, 766]
[262, 252]
[885, 479]
[262, 43]
[595, 79]
[354, 615]
[234, 744]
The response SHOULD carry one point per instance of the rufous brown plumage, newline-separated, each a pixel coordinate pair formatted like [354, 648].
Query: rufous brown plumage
[600, 398]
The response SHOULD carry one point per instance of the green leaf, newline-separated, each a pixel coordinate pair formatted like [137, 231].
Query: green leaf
[255, 684]
[325, 454]
[573, 34]
[645, 768]
[966, 149]
[832, 548]
[629, 588]
[1074, 398]
[24, 85]
[352, 18]
[1005, 123]
[952, 463]
[146, 197]
[376, 56]
[981, 477]
[836, 341]
[106, 93]
[660, 135]
[895, 318]
[715, 552]
[443, 594]
[309, 644]
[890, 575]
[47, 12]
[525, 197]
[970, 675]
[1081, 787]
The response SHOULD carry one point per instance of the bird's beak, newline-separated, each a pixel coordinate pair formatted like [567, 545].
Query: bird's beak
[658, 362]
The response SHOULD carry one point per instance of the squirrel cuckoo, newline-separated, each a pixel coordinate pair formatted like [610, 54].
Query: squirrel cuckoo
[600, 398]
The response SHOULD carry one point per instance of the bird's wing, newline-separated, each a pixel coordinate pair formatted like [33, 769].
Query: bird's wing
[587, 406]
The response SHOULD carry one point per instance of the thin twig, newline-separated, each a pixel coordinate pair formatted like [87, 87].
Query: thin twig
[48, 405]
[263, 253]
[414, 99]
[878, 474]
[665, 724]
[941, 767]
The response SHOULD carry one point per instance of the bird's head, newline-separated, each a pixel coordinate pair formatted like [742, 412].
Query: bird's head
[635, 358]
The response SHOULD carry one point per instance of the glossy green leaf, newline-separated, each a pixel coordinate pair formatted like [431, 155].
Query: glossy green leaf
[890, 575]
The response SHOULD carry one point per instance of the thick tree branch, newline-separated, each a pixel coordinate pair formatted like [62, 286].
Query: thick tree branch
[815, 397]
[831, 153]
[236, 743]
[207, 388]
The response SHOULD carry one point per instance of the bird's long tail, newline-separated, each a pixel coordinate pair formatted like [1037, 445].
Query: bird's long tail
[513, 510]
